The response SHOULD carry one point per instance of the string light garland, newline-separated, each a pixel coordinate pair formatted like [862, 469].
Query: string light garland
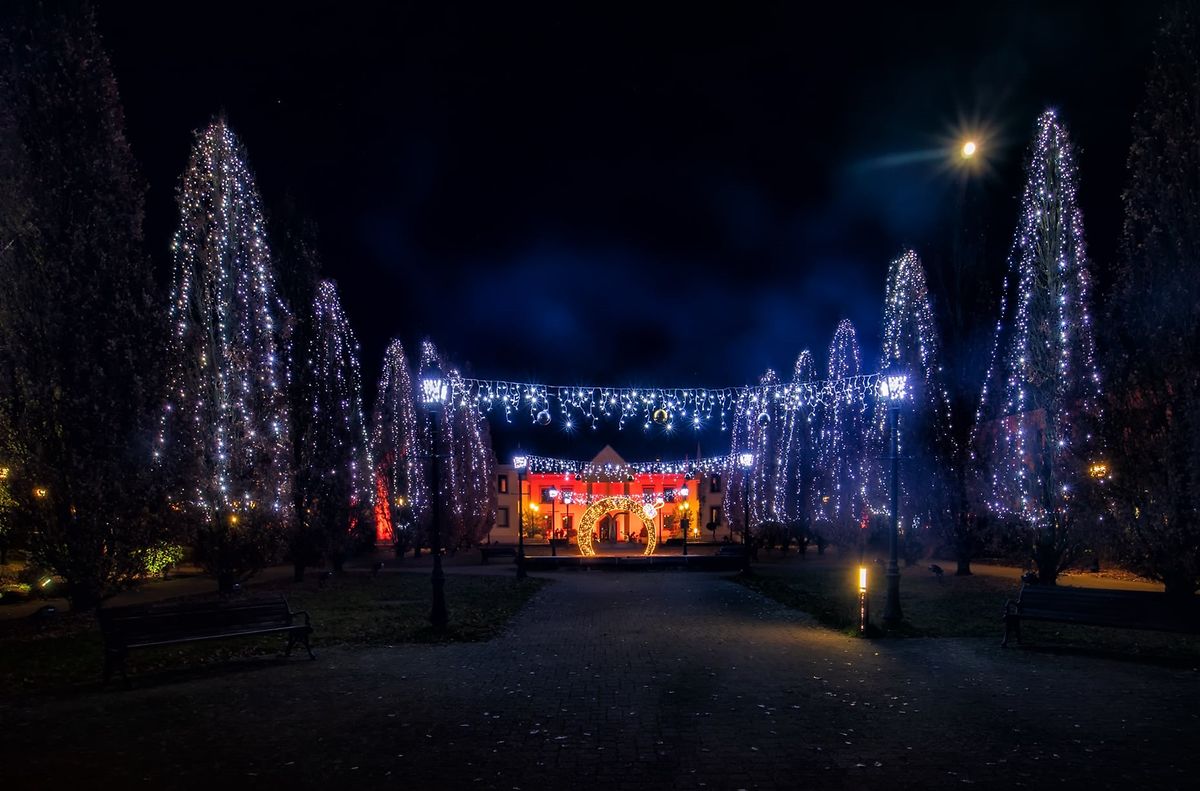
[588, 471]
[694, 407]
[224, 427]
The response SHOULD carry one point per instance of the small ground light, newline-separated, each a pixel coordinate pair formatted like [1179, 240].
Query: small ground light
[864, 603]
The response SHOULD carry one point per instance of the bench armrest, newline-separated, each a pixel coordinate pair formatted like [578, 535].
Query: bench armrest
[307, 620]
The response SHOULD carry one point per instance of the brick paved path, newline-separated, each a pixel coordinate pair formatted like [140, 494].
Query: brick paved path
[639, 681]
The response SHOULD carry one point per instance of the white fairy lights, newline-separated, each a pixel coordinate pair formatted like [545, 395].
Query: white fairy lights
[1045, 393]
[224, 427]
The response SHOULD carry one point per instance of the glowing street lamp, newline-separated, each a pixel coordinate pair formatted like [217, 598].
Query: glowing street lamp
[435, 390]
[684, 522]
[968, 149]
[520, 463]
[553, 493]
[894, 387]
[746, 460]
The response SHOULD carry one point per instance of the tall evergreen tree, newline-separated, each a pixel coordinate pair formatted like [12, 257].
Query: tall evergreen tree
[466, 496]
[843, 444]
[1154, 392]
[1047, 387]
[395, 450]
[798, 456]
[77, 336]
[911, 344]
[225, 438]
[334, 476]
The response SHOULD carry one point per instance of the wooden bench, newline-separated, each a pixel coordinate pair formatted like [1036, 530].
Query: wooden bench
[1124, 609]
[494, 551]
[731, 550]
[145, 626]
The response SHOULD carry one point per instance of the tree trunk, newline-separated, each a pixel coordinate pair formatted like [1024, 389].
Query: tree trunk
[964, 567]
[298, 571]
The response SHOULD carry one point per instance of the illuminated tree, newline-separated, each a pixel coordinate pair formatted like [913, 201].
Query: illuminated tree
[78, 340]
[1154, 393]
[395, 450]
[225, 441]
[334, 477]
[842, 444]
[466, 465]
[1047, 386]
[798, 458]
[910, 344]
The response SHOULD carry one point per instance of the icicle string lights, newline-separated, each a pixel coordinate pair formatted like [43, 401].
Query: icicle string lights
[587, 471]
[668, 408]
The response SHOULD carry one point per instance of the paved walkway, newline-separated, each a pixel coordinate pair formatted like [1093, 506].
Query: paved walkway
[639, 681]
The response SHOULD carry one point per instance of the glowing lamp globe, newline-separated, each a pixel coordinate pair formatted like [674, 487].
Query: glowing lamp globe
[684, 492]
[520, 463]
[553, 494]
[968, 149]
[746, 459]
[894, 387]
[435, 390]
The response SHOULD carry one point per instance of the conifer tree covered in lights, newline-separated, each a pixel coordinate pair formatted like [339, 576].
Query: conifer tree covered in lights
[1044, 393]
[1153, 424]
[225, 440]
[399, 473]
[335, 471]
[911, 345]
[466, 466]
[79, 339]
[797, 458]
[758, 425]
[843, 444]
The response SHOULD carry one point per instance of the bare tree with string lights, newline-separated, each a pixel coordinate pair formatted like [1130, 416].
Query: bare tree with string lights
[224, 440]
[334, 475]
[395, 438]
[1042, 399]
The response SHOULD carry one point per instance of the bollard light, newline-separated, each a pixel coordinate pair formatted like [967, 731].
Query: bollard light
[864, 602]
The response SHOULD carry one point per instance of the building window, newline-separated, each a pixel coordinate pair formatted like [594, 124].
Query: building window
[647, 494]
[546, 494]
[714, 483]
[502, 517]
[502, 484]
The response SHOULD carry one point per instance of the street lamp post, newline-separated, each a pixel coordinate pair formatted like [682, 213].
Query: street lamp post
[520, 463]
[568, 498]
[553, 528]
[434, 391]
[684, 522]
[894, 387]
[746, 459]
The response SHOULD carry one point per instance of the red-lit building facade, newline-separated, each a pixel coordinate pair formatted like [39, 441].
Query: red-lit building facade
[628, 503]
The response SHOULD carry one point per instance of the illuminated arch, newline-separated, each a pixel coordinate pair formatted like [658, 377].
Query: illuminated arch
[587, 522]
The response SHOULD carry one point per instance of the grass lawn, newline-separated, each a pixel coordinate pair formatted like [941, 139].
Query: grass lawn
[952, 607]
[354, 609]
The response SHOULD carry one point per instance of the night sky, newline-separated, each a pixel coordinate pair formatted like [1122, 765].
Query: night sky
[628, 196]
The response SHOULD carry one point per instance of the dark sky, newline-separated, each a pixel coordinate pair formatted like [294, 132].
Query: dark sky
[647, 195]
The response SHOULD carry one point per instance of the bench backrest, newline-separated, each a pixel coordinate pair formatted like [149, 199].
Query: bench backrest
[132, 624]
[1108, 607]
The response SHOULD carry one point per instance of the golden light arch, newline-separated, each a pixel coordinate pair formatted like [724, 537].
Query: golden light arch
[587, 522]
